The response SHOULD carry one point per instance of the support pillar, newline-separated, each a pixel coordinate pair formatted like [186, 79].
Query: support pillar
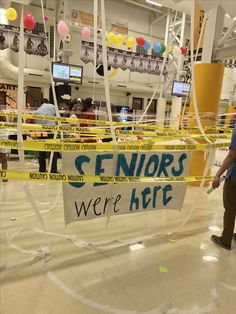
[208, 84]
[160, 111]
[175, 112]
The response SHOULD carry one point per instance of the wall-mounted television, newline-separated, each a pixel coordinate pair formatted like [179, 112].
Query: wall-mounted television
[180, 89]
[67, 73]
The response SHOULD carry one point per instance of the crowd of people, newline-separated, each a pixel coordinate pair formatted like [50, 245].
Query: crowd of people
[76, 108]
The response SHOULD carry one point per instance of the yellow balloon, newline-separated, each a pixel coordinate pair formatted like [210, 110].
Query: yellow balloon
[111, 37]
[168, 48]
[119, 40]
[130, 42]
[11, 14]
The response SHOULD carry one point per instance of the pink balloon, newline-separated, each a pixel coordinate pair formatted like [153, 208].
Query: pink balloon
[62, 29]
[46, 18]
[85, 33]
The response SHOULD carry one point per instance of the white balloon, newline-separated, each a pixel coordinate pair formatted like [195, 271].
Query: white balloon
[176, 52]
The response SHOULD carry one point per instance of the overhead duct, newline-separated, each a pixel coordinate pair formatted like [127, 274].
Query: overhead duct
[10, 71]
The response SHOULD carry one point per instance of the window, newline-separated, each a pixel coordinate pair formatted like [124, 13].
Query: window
[153, 107]
[137, 103]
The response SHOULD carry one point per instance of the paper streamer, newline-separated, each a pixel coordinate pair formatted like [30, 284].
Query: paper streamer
[193, 81]
[41, 211]
[95, 17]
[154, 93]
[200, 189]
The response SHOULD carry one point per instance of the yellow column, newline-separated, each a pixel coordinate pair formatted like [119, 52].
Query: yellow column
[208, 84]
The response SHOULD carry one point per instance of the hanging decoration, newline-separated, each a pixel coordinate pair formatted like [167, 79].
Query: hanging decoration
[130, 42]
[163, 48]
[85, 33]
[62, 29]
[176, 52]
[147, 45]
[140, 41]
[35, 42]
[119, 40]
[183, 51]
[168, 48]
[46, 18]
[156, 47]
[111, 38]
[29, 21]
[11, 14]
[124, 60]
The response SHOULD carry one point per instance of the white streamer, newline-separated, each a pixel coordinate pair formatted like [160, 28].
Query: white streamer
[104, 60]
[196, 200]
[195, 104]
[53, 89]
[95, 22]
[41, 211]
[154, 93]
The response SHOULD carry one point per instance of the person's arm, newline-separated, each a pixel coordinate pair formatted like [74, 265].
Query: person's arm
[229, 159]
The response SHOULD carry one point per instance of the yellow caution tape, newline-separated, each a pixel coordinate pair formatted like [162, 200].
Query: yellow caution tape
[101, 123]
[106, 132]
[65, 177]
[109, 146]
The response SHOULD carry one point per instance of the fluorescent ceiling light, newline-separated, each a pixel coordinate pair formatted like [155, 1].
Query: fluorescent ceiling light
[154, 3]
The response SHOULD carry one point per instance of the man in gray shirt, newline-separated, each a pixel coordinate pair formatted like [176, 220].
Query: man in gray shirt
[46, 109]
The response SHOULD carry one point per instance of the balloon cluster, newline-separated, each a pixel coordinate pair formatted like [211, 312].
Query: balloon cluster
[119, 39]
[28, 20]
[159, 47]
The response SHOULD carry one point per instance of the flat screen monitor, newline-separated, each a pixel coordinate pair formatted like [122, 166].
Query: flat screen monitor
[67, 73]
[180, 89]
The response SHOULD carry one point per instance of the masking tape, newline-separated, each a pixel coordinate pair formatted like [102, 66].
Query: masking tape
[65, 177]
[106, 146]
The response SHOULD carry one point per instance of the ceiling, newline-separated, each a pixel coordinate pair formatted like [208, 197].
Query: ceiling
[186, 5]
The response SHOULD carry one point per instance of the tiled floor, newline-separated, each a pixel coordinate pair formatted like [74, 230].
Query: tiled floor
[118, 279]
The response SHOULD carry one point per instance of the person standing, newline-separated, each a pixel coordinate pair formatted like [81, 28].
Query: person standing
[77, 106]
[4, 152]
[229, 198]
[46, 109]
[88, 112]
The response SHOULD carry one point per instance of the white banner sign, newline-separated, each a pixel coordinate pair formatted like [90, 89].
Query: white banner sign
[92, 200]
